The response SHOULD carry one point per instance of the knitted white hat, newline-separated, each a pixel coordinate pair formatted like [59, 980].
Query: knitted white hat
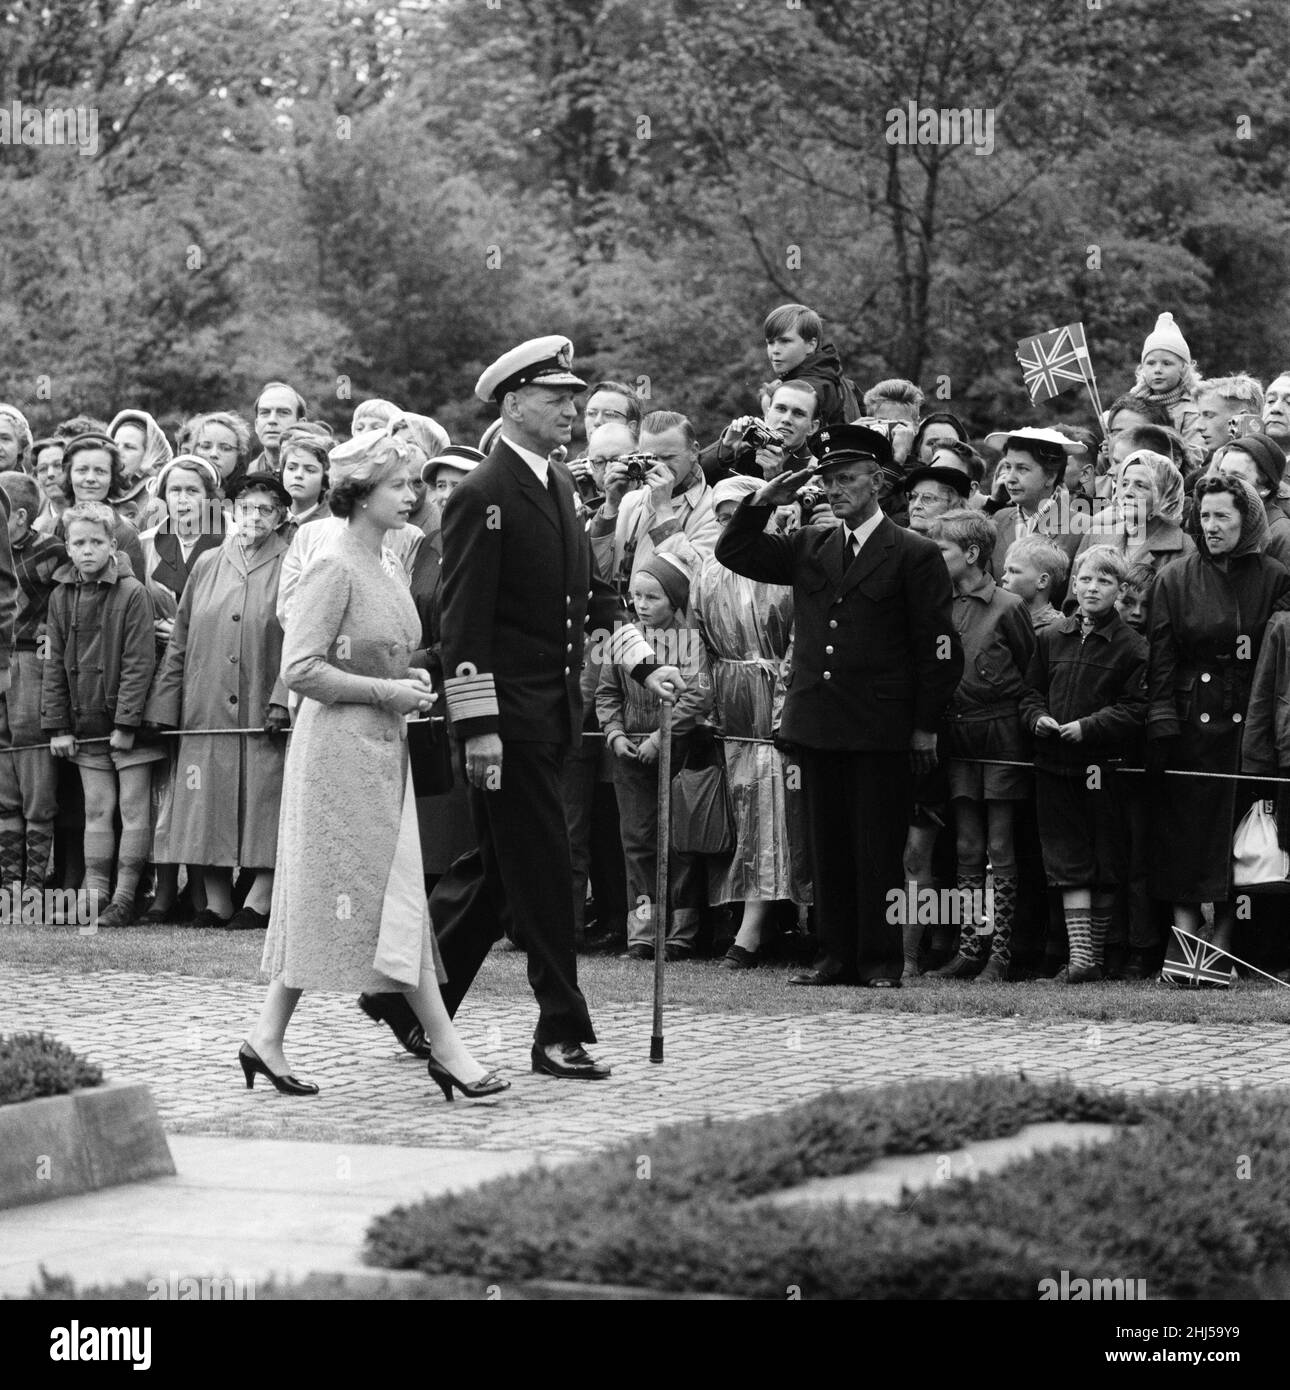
[1166, 336]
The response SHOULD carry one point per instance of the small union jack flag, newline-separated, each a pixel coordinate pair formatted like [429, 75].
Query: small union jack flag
[1053, 362]
[1192, 962]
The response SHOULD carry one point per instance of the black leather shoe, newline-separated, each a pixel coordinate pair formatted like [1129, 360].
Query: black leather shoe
[882, 984]
[569, 1060]
[393, 1009]
[825, 972]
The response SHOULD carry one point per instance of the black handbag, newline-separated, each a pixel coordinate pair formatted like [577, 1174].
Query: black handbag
[701, 819]
[429, 757]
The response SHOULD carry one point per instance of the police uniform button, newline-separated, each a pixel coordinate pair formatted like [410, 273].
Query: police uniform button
[828, 651]
[1204, 719]
[567, 671]
[589, 596]
[828, 675]
[568, 622]
[1205, 677]
[833, 622]
[1236, 718]
[569, 648]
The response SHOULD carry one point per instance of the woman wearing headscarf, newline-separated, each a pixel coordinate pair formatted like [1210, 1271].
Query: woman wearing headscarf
[144, 451]
[1145, 519]
[747, 628]
[222, 672]
[1260, 460]
[189, 489]
[1208, 615]
[349, 907]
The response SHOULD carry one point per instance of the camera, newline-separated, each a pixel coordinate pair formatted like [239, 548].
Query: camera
[810, 497]
[637, 465]
[760, 436]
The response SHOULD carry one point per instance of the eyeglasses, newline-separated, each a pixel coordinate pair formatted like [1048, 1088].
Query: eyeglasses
[264, 509]
[600, 413]
[925, 497]
[209, 446]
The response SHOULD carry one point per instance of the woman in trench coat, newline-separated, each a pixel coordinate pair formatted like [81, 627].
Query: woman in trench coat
[222, 671]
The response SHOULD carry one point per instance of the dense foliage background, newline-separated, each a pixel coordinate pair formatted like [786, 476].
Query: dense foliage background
[376, 199]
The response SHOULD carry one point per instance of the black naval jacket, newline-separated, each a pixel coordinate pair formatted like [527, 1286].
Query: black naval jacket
[875, 653]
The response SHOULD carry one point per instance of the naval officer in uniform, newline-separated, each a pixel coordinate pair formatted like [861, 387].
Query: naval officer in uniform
[517, 585]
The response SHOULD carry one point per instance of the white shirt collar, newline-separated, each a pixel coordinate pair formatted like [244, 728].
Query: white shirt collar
[535, 461]
[864, 530]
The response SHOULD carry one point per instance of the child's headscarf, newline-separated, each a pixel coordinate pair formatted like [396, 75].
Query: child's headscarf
[734, 489]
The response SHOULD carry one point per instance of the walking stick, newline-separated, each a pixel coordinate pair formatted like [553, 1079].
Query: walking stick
[661, 877]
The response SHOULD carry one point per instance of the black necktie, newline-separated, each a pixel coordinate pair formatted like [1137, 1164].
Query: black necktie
[853, 549]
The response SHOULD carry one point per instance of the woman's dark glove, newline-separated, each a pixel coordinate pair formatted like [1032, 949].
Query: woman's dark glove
[277, 721]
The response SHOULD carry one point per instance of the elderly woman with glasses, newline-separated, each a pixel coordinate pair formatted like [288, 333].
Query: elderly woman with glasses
[222, 672]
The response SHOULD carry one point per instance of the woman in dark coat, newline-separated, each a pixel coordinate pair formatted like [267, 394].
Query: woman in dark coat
[1208, 614]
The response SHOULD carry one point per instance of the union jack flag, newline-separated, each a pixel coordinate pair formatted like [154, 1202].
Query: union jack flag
[1053, 362]
[1192, 962]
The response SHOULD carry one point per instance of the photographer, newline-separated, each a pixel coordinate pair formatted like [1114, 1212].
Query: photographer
[605, 443]
[651, 497]
[776, 444]
[770, 446]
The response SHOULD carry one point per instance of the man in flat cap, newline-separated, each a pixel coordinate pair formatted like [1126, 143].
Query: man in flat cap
[516, 594]
[875, 661]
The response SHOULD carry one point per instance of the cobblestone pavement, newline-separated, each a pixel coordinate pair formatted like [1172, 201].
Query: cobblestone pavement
[180, 1035]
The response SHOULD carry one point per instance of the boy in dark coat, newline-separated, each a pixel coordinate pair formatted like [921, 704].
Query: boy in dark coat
[1086, 699]
[101, 661]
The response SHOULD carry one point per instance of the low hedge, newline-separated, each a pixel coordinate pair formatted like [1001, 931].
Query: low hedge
[34, 1064]
[1193, 1197]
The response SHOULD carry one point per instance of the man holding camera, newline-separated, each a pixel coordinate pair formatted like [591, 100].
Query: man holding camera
[651, 496]
[775, 444]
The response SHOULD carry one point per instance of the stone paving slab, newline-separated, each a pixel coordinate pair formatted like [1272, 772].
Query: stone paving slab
[247, 1209]
[181, 1034]
[889, 1180]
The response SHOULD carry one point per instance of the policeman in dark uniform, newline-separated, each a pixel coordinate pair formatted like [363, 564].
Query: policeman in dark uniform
[875, 661]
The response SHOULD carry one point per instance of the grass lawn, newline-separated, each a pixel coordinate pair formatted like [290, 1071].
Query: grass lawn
[699, 985]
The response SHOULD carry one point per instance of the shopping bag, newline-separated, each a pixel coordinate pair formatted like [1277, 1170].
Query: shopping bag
[701, 819]
[1257, 857]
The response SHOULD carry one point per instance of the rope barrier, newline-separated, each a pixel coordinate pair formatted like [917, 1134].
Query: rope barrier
[716, 734]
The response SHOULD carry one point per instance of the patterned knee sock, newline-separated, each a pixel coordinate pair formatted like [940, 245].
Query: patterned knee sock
[972, 944]
[1079, 932]
[12, 849]
[1100, 924]
[1005, 909]
[40, 842]
[130, 864]
[99, 854]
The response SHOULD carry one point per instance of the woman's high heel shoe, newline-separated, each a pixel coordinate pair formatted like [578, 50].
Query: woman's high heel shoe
[489, 1085]
[287, 1084]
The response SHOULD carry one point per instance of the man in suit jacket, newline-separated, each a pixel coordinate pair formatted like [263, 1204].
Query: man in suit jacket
[875, 661]
[516, 590]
